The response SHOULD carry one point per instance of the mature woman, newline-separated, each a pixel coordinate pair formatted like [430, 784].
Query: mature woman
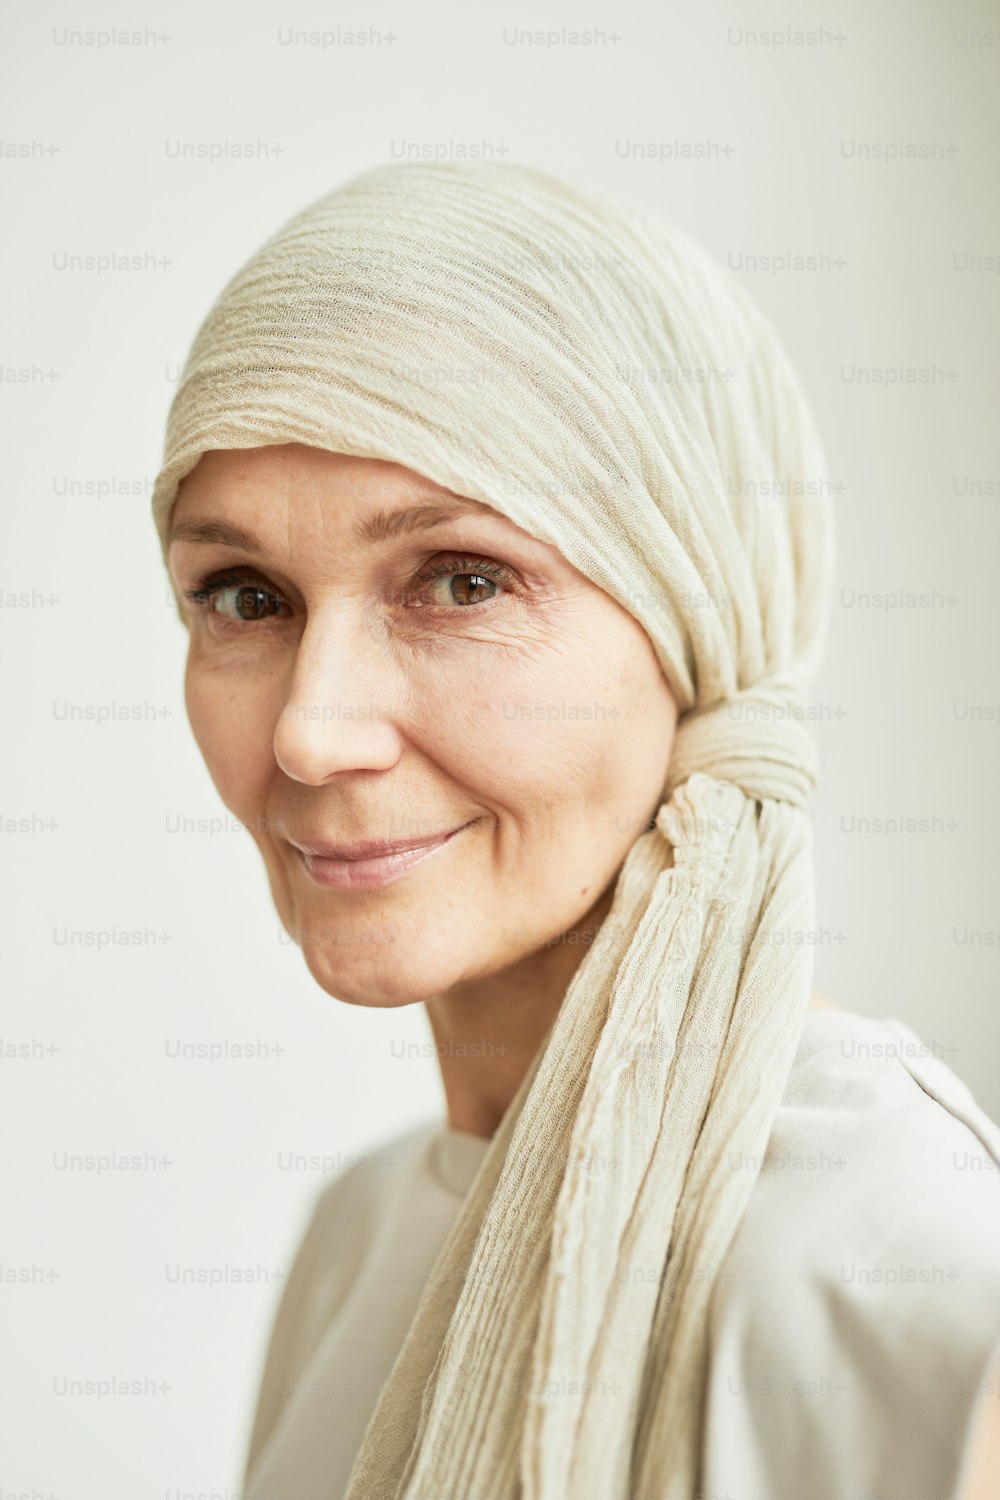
[501, 531]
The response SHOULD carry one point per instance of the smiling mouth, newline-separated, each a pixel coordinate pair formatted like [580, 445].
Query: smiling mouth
[372, 864]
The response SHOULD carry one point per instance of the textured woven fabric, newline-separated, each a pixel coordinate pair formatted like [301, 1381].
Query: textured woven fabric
[590, 372]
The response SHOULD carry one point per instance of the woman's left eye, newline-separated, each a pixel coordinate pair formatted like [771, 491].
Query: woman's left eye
[462, 581]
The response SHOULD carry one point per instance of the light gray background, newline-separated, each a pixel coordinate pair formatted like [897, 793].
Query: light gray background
[908, 696]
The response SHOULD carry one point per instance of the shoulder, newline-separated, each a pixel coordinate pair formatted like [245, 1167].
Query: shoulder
[880, 1165]
[339, 1227]
[348, 1215]
[881, 1170]
[867, 1263]
[369, 1180]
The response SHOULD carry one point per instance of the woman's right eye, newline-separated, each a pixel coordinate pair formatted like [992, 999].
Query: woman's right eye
[236, 598]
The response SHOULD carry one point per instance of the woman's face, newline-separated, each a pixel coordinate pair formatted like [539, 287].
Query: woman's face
[379, 660]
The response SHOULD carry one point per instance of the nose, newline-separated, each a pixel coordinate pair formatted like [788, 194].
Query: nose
[338, 715]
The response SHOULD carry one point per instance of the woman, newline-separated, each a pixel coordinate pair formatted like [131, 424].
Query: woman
[499, 524]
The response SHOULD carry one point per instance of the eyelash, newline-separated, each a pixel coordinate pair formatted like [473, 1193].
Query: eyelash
[212, 584]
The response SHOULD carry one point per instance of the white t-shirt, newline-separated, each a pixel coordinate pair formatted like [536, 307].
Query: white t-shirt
[853, 1324]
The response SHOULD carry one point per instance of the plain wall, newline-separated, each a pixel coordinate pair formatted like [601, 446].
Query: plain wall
[905, 249]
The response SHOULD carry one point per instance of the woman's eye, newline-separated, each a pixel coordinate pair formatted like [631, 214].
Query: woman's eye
[461, 583]
[462, 588]
[242, 600]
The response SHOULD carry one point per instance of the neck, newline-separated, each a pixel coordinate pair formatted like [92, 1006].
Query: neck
[487, 1032]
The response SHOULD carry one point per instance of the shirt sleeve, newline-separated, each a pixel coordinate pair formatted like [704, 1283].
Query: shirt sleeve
[277, 1374]
[856, 1315]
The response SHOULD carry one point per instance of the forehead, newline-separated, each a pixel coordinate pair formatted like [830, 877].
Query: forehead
[226, 472]
[232, 496]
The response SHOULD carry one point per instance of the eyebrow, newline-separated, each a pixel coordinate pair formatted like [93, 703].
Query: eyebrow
[381, 526]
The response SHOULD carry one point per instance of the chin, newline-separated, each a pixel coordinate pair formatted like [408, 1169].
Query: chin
[378, 987]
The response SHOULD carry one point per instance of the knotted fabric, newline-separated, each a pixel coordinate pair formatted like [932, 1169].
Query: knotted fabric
[590, 372]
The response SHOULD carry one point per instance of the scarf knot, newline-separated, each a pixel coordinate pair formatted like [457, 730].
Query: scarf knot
[757, 738]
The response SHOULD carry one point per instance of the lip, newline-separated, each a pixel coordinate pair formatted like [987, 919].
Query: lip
[367, 866]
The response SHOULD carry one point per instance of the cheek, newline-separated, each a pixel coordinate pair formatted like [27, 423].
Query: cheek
[512, 726]
[582, 744]
[234, 731]
[569, 738]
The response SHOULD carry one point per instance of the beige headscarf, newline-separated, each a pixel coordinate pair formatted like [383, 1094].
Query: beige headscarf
[596, 377]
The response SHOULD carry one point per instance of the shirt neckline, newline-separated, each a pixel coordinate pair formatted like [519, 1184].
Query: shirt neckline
[454, 1155]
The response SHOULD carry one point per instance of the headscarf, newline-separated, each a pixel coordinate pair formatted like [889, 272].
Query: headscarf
[590, 372]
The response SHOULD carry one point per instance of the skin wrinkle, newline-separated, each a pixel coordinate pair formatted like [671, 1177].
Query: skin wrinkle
[489, 931]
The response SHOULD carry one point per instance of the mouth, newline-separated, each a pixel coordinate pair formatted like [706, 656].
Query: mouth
[366, 866]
